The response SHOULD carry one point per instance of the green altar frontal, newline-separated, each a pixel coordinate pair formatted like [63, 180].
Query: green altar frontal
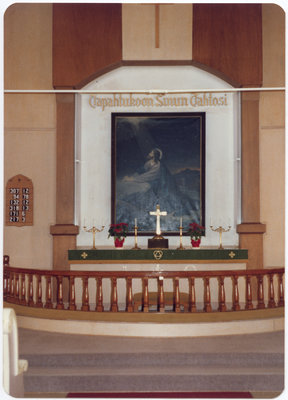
[112, 256]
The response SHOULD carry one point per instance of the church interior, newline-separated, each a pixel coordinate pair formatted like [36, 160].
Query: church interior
[144, 200]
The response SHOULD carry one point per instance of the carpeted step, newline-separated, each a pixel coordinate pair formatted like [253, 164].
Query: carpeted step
[151, 359]
[153, 379]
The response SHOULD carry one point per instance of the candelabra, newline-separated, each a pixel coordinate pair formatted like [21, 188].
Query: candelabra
[93, 230]
[220, 230]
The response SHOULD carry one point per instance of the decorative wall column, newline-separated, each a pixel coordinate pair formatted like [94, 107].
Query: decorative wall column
[64, 232]
[251, 230]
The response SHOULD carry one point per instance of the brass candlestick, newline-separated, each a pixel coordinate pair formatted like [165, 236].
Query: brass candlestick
[220, 230]
[181, 234]
[135, 239]
[93, 230]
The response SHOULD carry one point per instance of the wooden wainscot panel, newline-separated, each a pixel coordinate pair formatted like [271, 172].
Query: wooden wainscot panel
[228, 38]
[19, 201]
[87, 38]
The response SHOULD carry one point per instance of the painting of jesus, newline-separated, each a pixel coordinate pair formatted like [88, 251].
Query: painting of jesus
[158, 158]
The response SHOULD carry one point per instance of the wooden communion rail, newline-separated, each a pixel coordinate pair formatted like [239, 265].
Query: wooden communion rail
[26, 287]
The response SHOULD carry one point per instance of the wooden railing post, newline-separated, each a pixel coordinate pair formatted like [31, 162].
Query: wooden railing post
[145, 295]
[60, 305]
[260, 292]
[48, 302]
[114, 295]
[280, 291]
[17, 291]
[23, 290]
[207, 296]
[271, 295]
[249, 304]
[85, 295]
[129, 295]
[176, 296]
[11, 286]
[236, 305]
[222, 297]
[39, 291]
[161, 304]
[30, 290]
[72, 305]
[99, 296]
[192, 295]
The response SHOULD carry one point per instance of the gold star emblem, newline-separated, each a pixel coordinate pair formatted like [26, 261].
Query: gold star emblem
[232, 254]
[84, 255]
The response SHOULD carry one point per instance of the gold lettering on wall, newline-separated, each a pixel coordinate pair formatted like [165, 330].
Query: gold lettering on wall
[159, 100]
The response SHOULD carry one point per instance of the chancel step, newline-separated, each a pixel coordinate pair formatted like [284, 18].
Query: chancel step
[249, 362]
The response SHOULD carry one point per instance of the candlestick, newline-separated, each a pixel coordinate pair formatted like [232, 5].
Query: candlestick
[135, 237]
[93, 230]
[181, 233]
[220, 230]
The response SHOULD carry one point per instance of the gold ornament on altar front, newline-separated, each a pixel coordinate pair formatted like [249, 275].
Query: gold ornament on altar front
[93, 230]
[220, 230]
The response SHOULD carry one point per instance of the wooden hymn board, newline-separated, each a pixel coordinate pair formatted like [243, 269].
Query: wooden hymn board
[19, 201]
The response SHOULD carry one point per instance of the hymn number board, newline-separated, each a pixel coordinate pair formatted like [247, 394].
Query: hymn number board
[19, 201]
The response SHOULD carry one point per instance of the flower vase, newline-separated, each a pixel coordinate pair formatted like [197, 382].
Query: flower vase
[196, 243]
[118, 242]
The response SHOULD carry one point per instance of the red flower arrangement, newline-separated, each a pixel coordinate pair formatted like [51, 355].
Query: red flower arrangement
[118, 230]
[195, 231]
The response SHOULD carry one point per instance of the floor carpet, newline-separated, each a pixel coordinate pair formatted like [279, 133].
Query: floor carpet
[165, 395]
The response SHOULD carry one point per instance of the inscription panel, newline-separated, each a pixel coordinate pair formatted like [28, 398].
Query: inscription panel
[19, 201]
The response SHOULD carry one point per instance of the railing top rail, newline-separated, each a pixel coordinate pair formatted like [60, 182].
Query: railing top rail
[142, 274]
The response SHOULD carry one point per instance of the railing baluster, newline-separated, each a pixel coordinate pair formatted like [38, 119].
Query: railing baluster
[271, 295]
[260, 292]
[48, 302]
[60, 305]
[176, 296]
[114, 295]
[11, 296]
[5, 283]
[23, 290]
[39, 291]
[145, 297]
[129, 295]
[17, 290]
[72, 305]
[99, 296]
[30, 291]
[85, 295]
[161, 300]
[207, 296]
[249, 304]
[192, 295]
[222, 297]
[280, 291]
[236, 305]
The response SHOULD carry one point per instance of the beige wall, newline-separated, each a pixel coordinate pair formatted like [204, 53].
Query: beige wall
[30, 125]
[138, 27]
[272, 136]
[29, 128]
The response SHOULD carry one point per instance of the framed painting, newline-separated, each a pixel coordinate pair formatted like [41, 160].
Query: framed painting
[158, 158]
